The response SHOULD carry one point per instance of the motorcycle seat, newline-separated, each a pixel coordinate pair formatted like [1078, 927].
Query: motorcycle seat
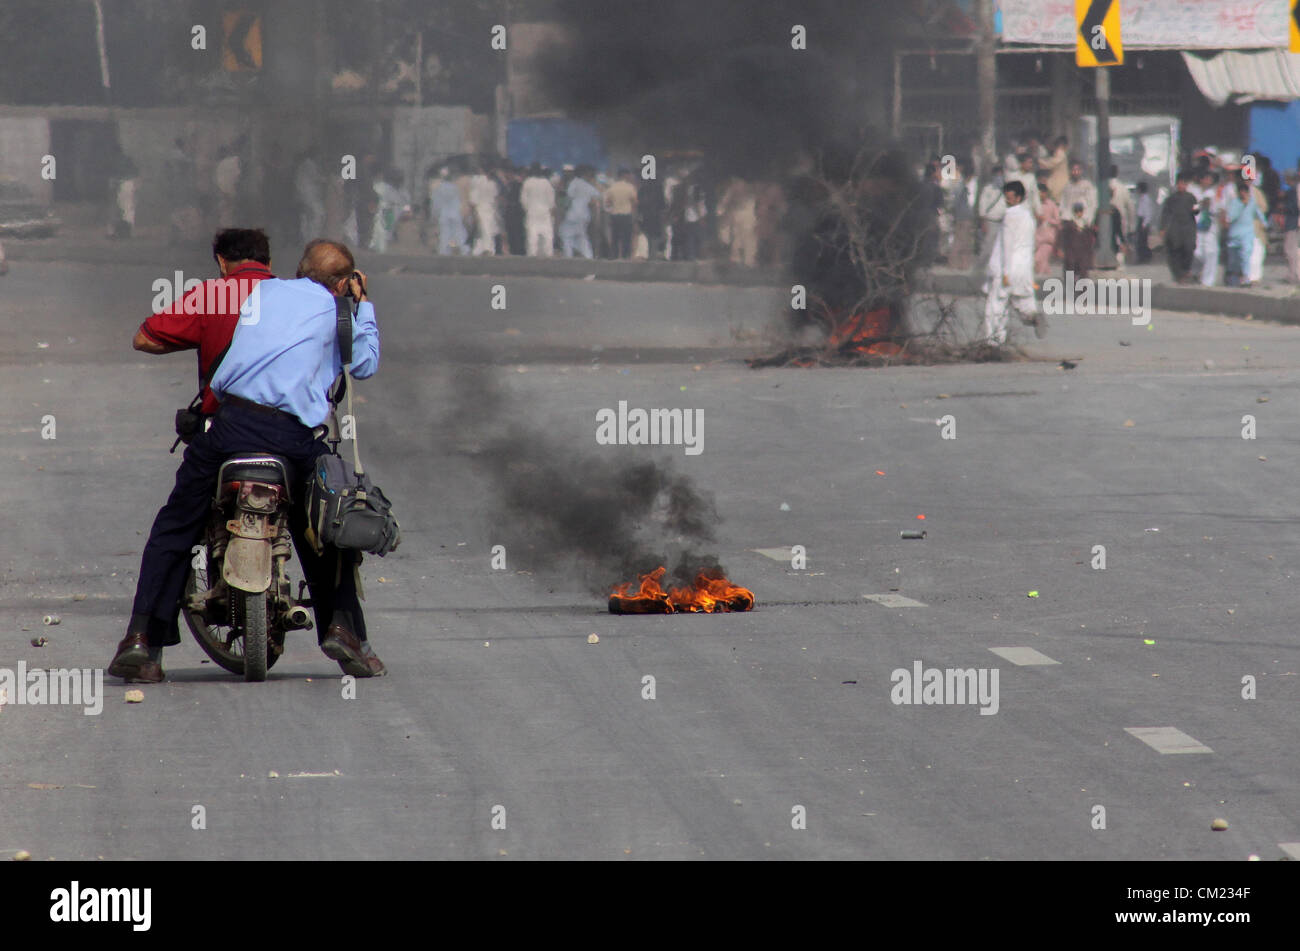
[255, 467]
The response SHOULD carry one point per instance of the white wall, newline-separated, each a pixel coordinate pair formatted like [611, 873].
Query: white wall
[24, 142]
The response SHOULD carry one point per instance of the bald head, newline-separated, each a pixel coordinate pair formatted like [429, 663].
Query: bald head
[327, 263]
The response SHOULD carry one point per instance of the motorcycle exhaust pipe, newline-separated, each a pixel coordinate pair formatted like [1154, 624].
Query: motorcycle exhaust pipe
[298, 617]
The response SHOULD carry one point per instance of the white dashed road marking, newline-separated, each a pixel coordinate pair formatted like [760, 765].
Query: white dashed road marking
[776, 554]
[892, 600]
[1290, 848]
[1023, 656]
[1167, 739]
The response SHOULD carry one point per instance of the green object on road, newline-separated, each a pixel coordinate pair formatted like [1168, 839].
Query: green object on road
[1033, 594]
[1147, 641]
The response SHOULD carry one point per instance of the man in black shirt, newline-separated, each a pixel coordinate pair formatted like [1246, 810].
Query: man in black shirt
[1178, 228]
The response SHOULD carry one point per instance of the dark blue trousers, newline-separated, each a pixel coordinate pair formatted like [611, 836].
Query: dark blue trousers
[180, 524]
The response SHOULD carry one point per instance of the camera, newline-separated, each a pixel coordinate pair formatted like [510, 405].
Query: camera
[361, 282]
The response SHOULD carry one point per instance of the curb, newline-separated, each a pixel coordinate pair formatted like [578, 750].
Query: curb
[1195, 300]
[143, 252]
[1200, 300]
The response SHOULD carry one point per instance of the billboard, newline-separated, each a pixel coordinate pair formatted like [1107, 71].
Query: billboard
[1156, 24]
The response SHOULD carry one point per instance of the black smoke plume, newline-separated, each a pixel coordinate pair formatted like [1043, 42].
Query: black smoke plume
[559, 509]
[722, 77]
[719, 82]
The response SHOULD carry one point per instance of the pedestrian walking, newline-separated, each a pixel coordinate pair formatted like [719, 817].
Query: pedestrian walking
[1057, 167]
[1049, 227]
[1291, 227]
[538, 198]
[1241, 215]
[1255, 269]
[583, 197]
[1010, 272]
[1178, 230]
[1209, 225]
[444, 207]
[1144, 212]
[620, 206]
[483, 194]
[1078, 190]
[1077, 241]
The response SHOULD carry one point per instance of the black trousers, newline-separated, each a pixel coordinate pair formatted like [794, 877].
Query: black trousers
[1143, 244]
[1180, 258]
[620, 227]
[180, 523]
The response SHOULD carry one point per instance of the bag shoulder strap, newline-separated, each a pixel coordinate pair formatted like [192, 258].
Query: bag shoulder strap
[212, 370]
[207, 377]
[343, 324]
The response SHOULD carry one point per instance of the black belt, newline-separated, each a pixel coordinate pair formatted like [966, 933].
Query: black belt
[230, 399]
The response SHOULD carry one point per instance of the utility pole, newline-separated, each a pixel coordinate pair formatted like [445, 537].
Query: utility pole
[113, 182]
[986, 77]
[415, 184]
[503, 99]
[1105, 257]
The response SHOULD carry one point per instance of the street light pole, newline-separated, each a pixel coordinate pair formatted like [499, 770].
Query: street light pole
[986, 74]
[1105, 257]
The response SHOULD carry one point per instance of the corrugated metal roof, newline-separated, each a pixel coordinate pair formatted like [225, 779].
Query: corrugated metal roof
[1243, 76]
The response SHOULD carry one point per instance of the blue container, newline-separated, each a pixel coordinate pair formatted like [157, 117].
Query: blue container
[1274, 130]
[555, 143]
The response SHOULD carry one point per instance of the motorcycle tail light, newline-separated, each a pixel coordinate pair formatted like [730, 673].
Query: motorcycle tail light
[259, 496]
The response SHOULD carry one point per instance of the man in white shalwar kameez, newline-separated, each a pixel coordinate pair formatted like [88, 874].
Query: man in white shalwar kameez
[483, 192]
[537, 195]
[1010, 272]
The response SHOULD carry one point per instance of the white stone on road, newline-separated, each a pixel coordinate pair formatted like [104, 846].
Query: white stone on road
[1023, 656]
[1167, 739]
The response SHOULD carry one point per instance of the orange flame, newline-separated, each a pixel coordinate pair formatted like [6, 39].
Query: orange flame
[706, 596]
[865, 333]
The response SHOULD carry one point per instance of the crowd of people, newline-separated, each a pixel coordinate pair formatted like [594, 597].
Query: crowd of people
[1040, 209]
[1227, 211]
[468, 205]
[1215, 226]
[479, 208]
[1060, 196]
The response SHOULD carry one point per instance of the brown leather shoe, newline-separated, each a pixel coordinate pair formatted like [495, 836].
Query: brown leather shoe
[342, 645]
[376, 665]
[150, 672]
[132, 653]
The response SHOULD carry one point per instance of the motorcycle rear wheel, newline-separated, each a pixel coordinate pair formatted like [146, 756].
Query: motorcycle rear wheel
[250, 612]
[223, 643]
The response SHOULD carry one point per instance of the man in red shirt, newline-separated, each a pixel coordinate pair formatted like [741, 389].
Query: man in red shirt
[206, 316]
[204, 319]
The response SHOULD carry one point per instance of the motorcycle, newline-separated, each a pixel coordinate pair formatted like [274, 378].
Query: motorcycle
[238, 602]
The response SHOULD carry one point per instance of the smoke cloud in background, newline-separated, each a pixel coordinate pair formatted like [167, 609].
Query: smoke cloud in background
[720, 76]
[561, 509]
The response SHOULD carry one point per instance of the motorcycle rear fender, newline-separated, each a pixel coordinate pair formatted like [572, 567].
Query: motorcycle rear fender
[248, 564]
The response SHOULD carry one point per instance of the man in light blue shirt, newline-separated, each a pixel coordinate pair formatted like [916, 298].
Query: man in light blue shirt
[573, 229]
[285, 351]
[1242, 212]
[444, 205]
[272, 387]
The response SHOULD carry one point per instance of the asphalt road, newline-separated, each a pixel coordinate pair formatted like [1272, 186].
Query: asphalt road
[497, 699]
